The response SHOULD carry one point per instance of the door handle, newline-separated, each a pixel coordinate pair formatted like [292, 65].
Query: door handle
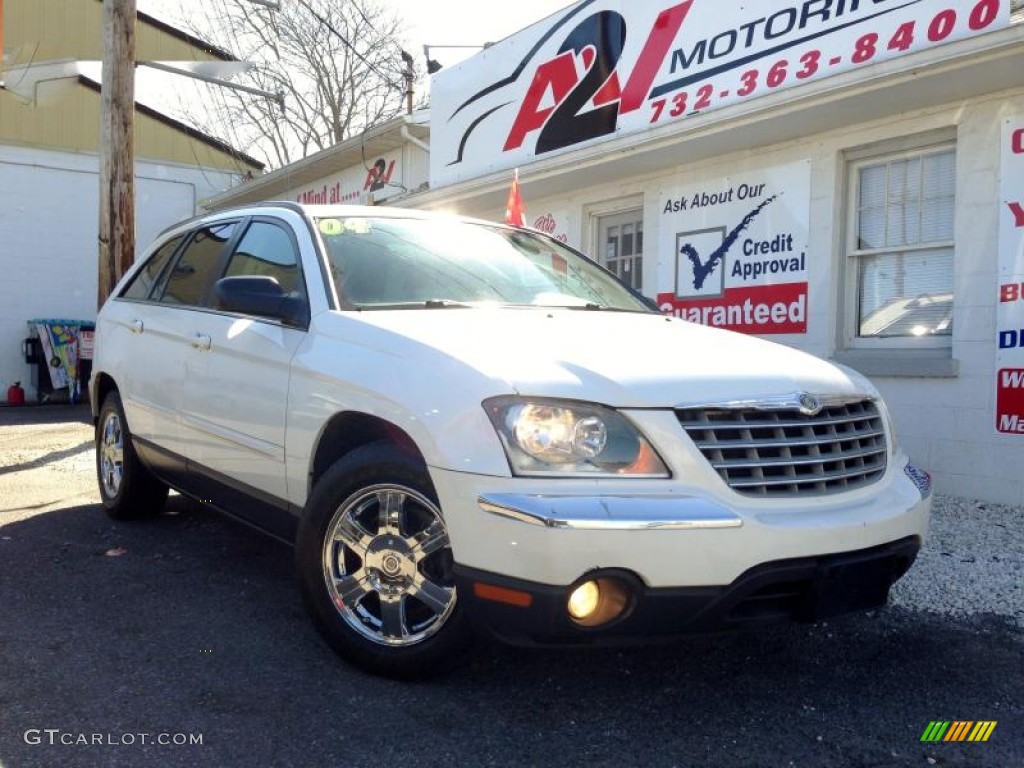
[138, 326]
[202, 342]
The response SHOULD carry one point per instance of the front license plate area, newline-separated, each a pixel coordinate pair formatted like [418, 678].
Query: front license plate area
[847, 587]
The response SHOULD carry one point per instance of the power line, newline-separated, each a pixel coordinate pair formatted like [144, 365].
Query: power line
[351, 47]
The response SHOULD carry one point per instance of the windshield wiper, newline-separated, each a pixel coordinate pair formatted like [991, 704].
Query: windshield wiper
[591, 307]
[445, 304]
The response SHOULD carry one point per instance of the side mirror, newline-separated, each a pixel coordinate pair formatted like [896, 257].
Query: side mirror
[262, 296]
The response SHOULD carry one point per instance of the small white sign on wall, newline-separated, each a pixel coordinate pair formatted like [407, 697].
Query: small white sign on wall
[737, 248]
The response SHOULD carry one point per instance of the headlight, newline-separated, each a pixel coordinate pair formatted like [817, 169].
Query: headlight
[562, 437]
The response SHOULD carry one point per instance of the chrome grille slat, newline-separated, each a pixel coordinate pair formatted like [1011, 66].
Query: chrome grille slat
[791, 424]
[781, 452]
[824, 457]
[790, 480]
[783, 443]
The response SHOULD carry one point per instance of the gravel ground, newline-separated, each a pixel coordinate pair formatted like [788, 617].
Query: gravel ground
[972, 562]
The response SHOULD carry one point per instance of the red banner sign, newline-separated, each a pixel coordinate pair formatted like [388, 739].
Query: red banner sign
[759, 309]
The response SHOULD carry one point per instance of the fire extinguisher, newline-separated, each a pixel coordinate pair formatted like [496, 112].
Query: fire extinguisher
[15, 394]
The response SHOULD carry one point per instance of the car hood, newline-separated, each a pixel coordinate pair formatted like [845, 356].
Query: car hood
[626, 360]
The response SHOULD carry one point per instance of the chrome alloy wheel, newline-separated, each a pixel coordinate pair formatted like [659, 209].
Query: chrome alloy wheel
[387, 565]
[111, 454]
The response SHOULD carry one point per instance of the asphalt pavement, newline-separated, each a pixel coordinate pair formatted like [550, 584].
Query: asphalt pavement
[125, 644]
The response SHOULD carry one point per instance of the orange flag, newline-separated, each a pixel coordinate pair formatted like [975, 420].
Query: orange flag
[514, 214]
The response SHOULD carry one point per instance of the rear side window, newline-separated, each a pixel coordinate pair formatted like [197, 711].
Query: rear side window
[142, 284]
[267, 249]
[196, 268]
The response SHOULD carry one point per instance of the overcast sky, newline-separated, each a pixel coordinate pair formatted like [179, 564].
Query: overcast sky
[428, 22]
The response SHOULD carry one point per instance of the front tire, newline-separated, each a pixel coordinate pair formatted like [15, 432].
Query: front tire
[128, 490]
[375, 565]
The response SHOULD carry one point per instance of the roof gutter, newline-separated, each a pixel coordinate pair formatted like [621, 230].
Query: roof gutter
[413, 140]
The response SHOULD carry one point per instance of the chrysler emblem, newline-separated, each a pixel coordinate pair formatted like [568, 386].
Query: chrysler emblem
[809, 404]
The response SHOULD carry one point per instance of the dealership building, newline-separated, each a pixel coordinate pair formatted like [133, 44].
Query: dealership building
[841, 176]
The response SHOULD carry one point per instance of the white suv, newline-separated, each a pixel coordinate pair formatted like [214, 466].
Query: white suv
[460, 424]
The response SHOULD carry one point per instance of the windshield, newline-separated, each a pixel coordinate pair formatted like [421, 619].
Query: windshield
[389, 263]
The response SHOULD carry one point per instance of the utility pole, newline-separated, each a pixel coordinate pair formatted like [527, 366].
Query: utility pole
[117, 154]
[410, 78]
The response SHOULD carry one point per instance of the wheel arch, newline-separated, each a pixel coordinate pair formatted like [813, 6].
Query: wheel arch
[103, 385]
[346, 431]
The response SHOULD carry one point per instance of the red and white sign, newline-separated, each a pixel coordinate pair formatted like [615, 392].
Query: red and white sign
[740, 251]
[1010, 401]
[378, 180]
[607, 68]
[1010, 306]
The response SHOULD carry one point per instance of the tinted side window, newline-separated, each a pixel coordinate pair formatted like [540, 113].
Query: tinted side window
[141, 285]
[195, 269]
[266, 249]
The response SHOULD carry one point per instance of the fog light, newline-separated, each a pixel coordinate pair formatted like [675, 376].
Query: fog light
[584, 600]
[597, 602]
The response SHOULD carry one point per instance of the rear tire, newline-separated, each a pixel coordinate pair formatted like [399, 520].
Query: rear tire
[128, 490]
[375, 566]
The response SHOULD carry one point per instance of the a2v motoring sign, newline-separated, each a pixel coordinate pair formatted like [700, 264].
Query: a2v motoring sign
[739, 249]
[606, 68]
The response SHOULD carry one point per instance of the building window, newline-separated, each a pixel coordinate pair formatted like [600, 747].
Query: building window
[900, 248]
[621, 246]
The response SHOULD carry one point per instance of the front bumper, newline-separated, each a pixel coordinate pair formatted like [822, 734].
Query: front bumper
[669, 534]
[800, 589]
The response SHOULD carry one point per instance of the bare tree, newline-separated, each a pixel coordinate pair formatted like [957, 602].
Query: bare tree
[337, 63]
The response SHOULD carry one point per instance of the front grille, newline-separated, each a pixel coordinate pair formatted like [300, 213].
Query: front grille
[782, 452]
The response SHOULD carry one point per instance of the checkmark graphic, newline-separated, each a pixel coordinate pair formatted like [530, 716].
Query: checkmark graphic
[701, 270]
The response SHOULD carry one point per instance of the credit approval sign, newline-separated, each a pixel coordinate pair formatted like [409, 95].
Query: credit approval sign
[740, 251]
[606, 68]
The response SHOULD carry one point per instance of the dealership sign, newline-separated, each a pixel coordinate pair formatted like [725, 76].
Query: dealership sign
[740, 251]
[1010, 312]
[606, 68]
[378, 180]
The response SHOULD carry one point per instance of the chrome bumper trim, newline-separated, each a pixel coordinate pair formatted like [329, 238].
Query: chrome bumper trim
[611, 513]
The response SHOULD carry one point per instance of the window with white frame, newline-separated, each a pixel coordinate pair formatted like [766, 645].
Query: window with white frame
[621, 246]
[900, 248]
